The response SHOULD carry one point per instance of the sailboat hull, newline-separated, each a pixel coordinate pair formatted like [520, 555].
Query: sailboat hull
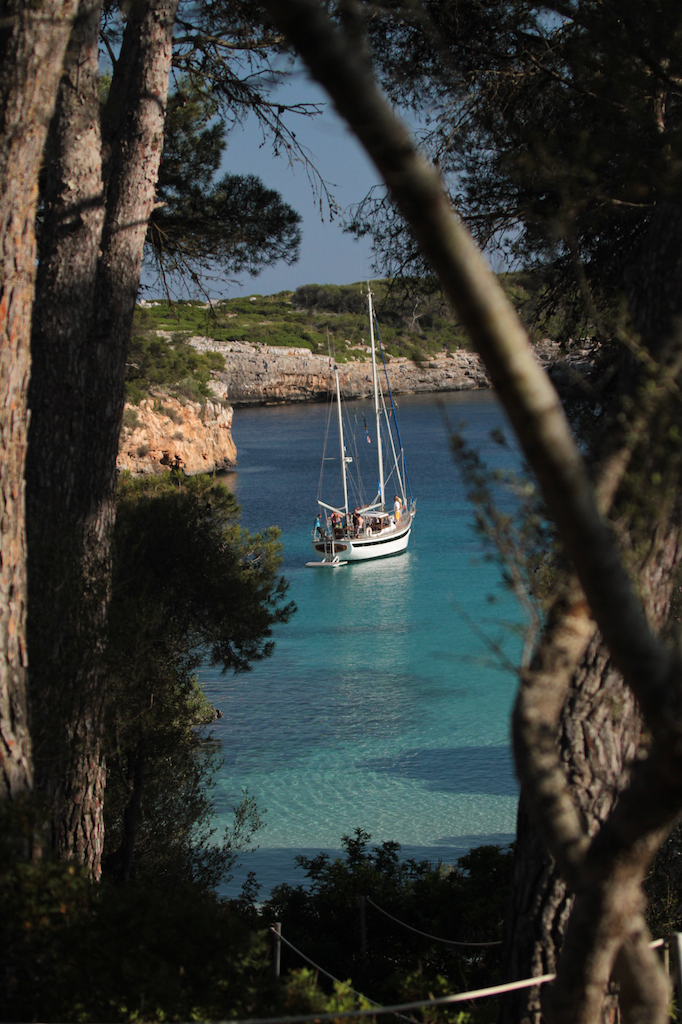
[366, 546]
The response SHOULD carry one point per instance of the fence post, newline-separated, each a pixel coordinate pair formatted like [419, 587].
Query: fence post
[363, 928]
[277, 928]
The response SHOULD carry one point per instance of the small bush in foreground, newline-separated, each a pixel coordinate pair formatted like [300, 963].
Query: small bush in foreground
[464, 902]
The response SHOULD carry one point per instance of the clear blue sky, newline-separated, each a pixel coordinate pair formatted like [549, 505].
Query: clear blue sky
[328, 255]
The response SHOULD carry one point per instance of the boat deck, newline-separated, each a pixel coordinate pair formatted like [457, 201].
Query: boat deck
[394, 530]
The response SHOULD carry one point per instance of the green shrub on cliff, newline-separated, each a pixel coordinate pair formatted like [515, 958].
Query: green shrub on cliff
[414, 319]
[154, 362]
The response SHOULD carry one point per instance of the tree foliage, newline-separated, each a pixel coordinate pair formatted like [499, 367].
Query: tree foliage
[75, 951]
[189, 584]
[663, 886]
[556, 126]
[211, 588]
[158, 948]
[464, 902]
[202, 227]
[601, 833]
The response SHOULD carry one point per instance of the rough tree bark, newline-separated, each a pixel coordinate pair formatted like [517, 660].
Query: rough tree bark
[99, 196]
[599, 733]
[600, 725]
[32, 42]
[606, 934]
[64, 636]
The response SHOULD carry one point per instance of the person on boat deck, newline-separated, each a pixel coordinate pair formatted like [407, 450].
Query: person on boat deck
[397, 508]
[358, 522]
[319, 526]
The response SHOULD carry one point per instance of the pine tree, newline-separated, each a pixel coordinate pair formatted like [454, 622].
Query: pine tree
[606, 933]
[557, 127]
[32, 43]
[99, 191]
[189, 584]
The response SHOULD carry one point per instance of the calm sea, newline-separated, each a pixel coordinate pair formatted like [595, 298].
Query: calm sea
[384, 705]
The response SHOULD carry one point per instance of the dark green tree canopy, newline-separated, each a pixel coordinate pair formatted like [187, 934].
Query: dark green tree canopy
[204, 587]
[204, 227]
[226, 60]
[189, 584]
[557, 126]
[464, 902]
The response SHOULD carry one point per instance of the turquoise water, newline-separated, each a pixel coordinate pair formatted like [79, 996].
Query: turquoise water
[383, 706]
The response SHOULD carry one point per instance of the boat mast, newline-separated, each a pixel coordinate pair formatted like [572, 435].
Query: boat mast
[375, 383]
[343, 447]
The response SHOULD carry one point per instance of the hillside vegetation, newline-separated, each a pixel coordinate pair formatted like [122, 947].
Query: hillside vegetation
[413, 322]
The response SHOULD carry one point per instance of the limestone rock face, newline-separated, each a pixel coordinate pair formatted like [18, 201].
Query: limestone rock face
[197, 437]
[265, 374]
[269, 375]
[163, 432]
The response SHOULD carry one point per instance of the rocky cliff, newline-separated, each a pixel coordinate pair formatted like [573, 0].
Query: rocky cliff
[262, 374]
[163, 432]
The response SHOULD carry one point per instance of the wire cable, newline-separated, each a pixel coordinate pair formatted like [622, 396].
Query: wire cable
[331, 976]
[318, 968]
[434, 938]
[458, 997]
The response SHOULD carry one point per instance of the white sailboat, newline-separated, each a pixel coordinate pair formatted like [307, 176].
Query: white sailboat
[380, 527]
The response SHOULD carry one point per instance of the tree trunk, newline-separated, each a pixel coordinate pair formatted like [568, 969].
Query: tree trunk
[607, 930]
[599, 733]
[600, 724]
[32, 42]
[66, 619]
[131, 814]
[91, 260]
